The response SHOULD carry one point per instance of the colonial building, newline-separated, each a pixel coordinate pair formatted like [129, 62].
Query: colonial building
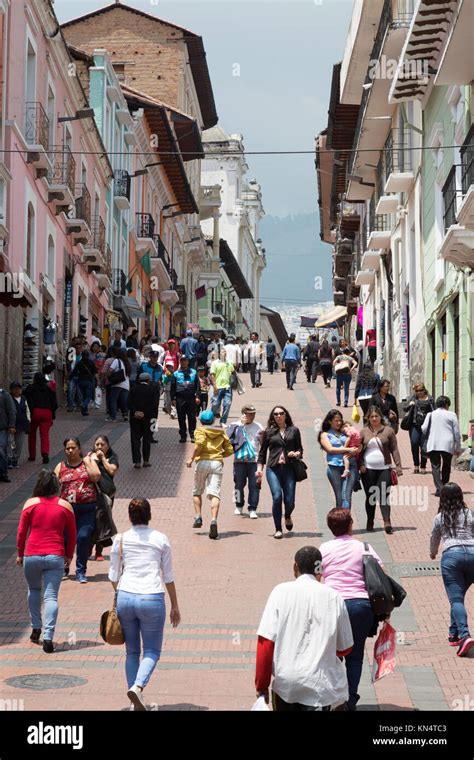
[166, 64]
[55, 177]
[397, 204]
[239, 216]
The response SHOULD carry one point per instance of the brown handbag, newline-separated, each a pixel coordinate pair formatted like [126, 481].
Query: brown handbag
[110, 627]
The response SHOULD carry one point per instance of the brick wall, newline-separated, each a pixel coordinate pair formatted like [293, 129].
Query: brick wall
[154, 61]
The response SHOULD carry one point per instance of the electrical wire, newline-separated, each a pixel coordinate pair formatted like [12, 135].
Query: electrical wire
[223, 154]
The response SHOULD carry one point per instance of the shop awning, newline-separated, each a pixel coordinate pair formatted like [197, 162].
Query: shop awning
[129, 308]
[331, 317]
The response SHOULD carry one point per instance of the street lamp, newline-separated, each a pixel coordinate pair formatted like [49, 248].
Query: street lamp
[84, 113]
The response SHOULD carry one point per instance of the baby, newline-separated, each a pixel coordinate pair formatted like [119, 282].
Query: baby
[354, 441]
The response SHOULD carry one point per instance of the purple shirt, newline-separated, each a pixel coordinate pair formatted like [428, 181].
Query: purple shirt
[343, 569]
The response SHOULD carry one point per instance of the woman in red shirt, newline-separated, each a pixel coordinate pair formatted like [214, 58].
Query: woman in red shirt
[78, 476]
[50, 520]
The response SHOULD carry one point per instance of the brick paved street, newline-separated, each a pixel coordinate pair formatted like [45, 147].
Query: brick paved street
[208, 662]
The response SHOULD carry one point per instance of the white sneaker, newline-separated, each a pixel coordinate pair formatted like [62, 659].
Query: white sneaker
[238, 511]
[278, 534]
[135, 696]
[253, 515]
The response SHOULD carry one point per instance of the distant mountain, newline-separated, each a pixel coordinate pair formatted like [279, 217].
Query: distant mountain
[298, 264]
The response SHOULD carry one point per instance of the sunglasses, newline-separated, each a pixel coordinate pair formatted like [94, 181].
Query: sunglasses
[279, 414]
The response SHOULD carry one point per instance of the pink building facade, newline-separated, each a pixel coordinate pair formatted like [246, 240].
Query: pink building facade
[55, 266]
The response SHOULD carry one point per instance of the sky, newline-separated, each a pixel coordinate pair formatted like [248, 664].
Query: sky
[270, 63]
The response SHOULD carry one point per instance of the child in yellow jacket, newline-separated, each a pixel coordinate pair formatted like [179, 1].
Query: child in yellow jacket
[211, 445]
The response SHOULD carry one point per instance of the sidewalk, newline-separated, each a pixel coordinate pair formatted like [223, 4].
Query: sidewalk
[208, 662]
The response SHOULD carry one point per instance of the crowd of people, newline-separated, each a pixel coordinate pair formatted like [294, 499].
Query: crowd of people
[316, 666]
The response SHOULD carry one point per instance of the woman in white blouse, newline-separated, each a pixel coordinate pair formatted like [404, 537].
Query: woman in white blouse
[140, 578]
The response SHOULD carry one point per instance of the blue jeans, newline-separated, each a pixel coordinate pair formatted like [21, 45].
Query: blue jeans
[118, 398]
[343, 379]
[85, 523]
[342, 487]
[143, 614]
[362, 620]
[243, 472]
[290, 369]
[415, 440]
[224, 396]
[3, 451]
[87, 390]
[73, 392]
[282, 482]
[457, 570]
[47, 569]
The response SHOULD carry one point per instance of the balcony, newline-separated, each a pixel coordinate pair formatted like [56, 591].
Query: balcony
[217, 311]
[371, 260]
[124, 117]
[209, 200]
[122, 189]
[37, 136]
[78, 222]
[449, 199]
[375, 112]
[466, 208]
[94, 252]
[387, 204]
[360, 40]
[144, 234]
[342, 264]
[339, 299]
[380, 230]
[171, 296]
[104, 277]
[365, 277]
[458, 243]
[161, 264]
[399, 161]
[60, 178]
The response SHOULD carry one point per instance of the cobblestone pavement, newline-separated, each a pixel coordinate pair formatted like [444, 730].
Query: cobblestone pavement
[208, 662]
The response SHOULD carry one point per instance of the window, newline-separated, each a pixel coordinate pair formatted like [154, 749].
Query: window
[30, 240]
[51, 116]
[30, 74]
[50, 262]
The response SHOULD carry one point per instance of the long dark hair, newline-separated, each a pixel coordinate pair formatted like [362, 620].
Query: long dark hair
[367, 376]
[451, 505]
[326, 423]
[371, 410]
[123, 357]
[47, 484]
[271, 424]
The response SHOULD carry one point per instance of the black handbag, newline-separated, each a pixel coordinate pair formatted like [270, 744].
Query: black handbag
[407, 420]
[118, 376]
[299, 468]
[384, 593]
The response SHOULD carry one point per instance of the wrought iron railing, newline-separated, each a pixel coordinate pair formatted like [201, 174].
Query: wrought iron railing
[144, 225]
[83, 205]
[377, 222]
[174, 280]
[119, 281]
[122, 183]
[36, 125]
[162, 253]
[63, 167]
[467, 161]
[397, 152]
[97, 240]
[449, 199]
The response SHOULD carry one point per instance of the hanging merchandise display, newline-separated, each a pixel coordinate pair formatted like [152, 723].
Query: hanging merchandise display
[30, 362]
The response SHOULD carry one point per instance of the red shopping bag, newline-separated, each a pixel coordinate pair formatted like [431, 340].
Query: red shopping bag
[384, 652]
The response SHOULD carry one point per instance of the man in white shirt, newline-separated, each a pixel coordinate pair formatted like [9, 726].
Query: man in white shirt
[118, 338]
[232, 351]
[256, 353]
[304, 630]
[245, 436]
